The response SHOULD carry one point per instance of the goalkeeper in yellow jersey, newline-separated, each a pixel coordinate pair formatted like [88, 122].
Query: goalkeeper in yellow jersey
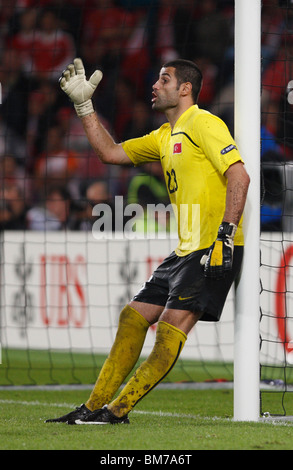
[207, 184]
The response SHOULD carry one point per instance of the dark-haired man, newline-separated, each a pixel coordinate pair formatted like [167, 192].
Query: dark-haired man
[207, 185]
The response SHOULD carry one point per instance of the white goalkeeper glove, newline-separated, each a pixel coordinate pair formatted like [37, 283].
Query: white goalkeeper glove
[80, 90]
[219, 257]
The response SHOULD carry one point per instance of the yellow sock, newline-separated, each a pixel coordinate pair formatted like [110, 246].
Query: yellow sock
[168, 345]
[123, 356]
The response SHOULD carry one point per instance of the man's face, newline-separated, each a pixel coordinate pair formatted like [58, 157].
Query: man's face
[165, 90]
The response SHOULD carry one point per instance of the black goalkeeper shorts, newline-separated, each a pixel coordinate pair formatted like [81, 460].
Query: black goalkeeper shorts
[179, 283]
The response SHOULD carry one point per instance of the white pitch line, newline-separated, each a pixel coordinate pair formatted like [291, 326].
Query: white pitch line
[72, 406]
[276, 421]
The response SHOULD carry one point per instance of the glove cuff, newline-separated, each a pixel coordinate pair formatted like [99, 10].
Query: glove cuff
[227, 230]
[84, 108]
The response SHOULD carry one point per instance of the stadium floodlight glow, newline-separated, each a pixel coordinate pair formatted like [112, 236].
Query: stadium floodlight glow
[247, 136]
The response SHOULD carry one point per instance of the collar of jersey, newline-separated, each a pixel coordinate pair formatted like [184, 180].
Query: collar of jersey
[183, 115]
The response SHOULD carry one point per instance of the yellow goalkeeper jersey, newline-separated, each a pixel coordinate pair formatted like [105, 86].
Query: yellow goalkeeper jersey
[194, 157]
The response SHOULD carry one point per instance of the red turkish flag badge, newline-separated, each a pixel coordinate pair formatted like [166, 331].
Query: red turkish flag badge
[177, 148]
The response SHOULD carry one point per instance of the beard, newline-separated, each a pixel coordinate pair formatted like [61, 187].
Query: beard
[163, 105]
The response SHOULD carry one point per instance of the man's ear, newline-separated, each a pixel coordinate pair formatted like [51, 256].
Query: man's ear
[186, 88]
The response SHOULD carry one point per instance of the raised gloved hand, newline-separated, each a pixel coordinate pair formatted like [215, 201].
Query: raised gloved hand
[80, 90]
[219, 257]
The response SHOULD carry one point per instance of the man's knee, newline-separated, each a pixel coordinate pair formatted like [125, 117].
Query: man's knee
[184, 320]
[150, 312]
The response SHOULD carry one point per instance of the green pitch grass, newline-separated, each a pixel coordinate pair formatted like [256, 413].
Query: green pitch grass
[184, 420]
[34, 367]
[166, 419]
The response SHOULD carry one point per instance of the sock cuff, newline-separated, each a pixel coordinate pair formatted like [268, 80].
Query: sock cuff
[130, 312]
[173, 328]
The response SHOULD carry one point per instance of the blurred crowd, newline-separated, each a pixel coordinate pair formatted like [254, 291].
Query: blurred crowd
[50, 178]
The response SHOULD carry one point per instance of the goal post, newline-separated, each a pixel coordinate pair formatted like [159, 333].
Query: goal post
[247, 135]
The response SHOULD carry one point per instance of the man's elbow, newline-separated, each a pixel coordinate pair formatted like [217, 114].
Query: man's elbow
[106, 156]
[114, 156]
[103, 157]
[247, 180]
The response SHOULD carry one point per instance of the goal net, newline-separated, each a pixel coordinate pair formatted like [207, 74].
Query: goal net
[62, 288]
[277, 205]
